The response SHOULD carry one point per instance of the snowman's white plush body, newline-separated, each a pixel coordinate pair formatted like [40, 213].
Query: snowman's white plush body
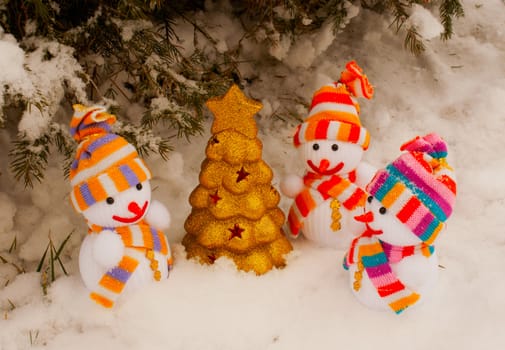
[101, 251]
[317, 227]
[324, 158]
[417, 272]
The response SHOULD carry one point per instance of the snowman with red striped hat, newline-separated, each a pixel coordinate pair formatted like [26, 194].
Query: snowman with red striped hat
[125, 248]
[393, 264]
[331, 142]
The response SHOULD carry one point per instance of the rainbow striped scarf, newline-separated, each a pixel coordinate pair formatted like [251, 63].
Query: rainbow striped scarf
[375, 257]
[140, 240]
[317, 190]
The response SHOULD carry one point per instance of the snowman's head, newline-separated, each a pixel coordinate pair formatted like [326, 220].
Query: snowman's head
[386, 226]
[125, 208]
[414, 195]
[110, 183]
[331, 139]
[326, 157]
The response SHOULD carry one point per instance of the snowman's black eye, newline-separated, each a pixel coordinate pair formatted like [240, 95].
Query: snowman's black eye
[139, 186]
[370, 199]
[110, 200]
[315, 146]
[334, 147]
[382, 210]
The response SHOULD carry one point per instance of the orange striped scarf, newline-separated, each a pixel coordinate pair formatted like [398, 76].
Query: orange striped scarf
[317, 190]
[144, 240]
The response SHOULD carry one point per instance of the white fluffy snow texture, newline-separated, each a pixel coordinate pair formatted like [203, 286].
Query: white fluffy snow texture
[428, 26]
[11, 68]
[456, 89]
[38, 78]
[11, 62]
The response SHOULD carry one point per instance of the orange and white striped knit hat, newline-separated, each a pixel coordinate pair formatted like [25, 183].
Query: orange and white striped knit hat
[334, 112]
[105, 163]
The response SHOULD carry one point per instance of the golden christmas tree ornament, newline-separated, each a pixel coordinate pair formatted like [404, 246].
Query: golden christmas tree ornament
[235, 208]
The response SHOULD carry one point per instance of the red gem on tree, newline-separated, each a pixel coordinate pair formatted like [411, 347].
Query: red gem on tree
[212, 258]
[214, 140]
[236, 231]
[242, 174]
[214, 198]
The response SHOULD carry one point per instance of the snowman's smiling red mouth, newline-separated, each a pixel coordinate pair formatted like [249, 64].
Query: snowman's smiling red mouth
[135, 209]
[323, 167]
[367, 218]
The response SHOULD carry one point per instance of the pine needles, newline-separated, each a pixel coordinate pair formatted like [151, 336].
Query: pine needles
[400, 10]
[48, 269]
[48, 264]
[128, 53]
[29, 160]
[449, 9]
[413, 41]
[6, 260]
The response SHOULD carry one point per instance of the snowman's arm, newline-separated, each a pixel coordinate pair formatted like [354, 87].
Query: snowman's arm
[292, 185]
[158, 216]
[108, 248]
[364, 174]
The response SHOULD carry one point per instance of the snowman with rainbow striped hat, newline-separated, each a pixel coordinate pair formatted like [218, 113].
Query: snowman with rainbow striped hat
[125, 248]
[331, 142]
[393, 264]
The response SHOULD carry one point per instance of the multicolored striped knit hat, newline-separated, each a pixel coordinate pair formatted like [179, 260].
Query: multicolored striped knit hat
[334, 112]
[418, 187]
[105, 163]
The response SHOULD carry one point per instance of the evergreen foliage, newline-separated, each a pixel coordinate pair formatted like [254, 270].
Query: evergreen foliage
[448, 9]
[128, 53]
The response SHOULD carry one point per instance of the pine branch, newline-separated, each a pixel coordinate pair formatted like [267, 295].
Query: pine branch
[448, 10]
[145, 142]
[413, 41]
[337, 12]
[199, 28]
[65, 146]
[400, 13]
[29, 160]
[177, 119]
[130, 51]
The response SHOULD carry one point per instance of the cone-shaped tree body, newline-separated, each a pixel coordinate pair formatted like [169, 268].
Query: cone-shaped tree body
[235, 208]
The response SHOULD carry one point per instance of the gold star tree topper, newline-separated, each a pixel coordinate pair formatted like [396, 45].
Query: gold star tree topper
[226, 108]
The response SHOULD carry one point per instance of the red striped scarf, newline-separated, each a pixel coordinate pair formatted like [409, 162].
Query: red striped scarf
[375, 257]
[317, 190]
[140, 240]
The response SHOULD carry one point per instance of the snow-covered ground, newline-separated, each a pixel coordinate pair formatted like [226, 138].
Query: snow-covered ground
[456, 89]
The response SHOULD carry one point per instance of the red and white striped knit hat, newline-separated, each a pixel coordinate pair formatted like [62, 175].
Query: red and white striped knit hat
[334, 112]
[105, 163]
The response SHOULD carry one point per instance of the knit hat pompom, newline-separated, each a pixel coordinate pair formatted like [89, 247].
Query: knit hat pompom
[357, 83]
[334, 111]
[88, 121]
[418, 187]
[430, 144]
[105, 163]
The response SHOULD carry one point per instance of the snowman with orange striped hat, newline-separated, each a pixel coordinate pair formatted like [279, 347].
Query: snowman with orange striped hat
[393, 264]
[332, 142]
[125, 248]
